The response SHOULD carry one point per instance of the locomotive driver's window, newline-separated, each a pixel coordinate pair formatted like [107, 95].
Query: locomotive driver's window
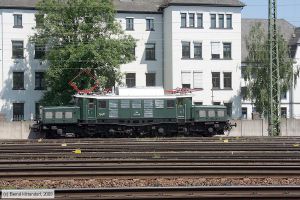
[102, 104]
[170, 104]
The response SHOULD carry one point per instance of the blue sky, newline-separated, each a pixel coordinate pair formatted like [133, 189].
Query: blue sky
[287, 9]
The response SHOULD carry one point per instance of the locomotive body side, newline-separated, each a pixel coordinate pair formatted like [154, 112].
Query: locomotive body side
[127, 116]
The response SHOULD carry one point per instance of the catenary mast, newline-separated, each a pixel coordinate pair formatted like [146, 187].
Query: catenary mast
[274, 92]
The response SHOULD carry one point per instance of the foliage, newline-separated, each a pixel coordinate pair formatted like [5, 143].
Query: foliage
[80, 34]
[257, 73]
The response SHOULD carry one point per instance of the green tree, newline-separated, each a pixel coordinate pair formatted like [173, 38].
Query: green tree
[257, 73]
[80, 34]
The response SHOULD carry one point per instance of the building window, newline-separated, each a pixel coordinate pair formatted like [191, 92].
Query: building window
[37, 111]
[17, 49]
[18, 111]
[39, 51]
[149, 24]
[221, 21]
[18, 21]
[191, 20]
[186, 52]
[216, 80]
[213, 21]
[216, 103]
[198, 50]
[129, 24]
[227, 50]
[283, 112]
[244, 113]
[39, 20]
[215, 50]
[186, 79]
[229, 21]
[150, 51]
[228, 108]
[200, 20]
[227, 80]
[198, 80]
[130, 80]
[183, 20]
[39, 80]
[18, 80]
[244, 93]
[150, 79]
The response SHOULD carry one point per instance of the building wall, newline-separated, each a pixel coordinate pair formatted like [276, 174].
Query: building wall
[167, 66]
[175, 65]
[29, 96]
[291, 101]
[141, 66]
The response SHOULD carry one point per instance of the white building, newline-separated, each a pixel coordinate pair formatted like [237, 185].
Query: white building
[180, 43]
[290, 101]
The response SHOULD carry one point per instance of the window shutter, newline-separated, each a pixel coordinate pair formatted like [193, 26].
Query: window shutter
[215, 48]
[198, 80]
[185, 77]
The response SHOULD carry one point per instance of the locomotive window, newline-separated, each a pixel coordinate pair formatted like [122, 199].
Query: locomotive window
[91, 105]
[148, 104]
[159, 103]
[68, 115]
[48, 115]
[102, 104]
[125, 103]
[221, 113]
[136, 104]
[58, 115]
[113, 103]
[211, 113]
[170, 104]
[202, 113]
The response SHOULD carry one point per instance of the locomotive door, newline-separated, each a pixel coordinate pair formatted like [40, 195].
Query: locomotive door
[181, 109]
[91, 109]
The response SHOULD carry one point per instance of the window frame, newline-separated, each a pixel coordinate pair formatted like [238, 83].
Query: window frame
[213, 18]
[39, 20]
[192, 20]
[153, 81]
[41, 53]
[200, 16]
[129, 24]
[198, 44]
[18, 21]
[39, 79]
[227, 80]
[227, 55]
[185, 50]
[150, 53]
[183, 20]
[150, 24]
[15, 111]
[18, 81]
[19, 52]
[130, 81]
[216, 80]
[221, 20]
[229, 18]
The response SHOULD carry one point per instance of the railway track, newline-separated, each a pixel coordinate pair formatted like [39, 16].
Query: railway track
[163, 157]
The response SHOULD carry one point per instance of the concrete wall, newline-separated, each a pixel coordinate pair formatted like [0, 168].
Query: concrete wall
[289, 127]
[245, 128]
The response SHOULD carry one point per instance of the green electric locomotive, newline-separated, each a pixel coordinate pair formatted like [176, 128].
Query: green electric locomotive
[132, 116]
